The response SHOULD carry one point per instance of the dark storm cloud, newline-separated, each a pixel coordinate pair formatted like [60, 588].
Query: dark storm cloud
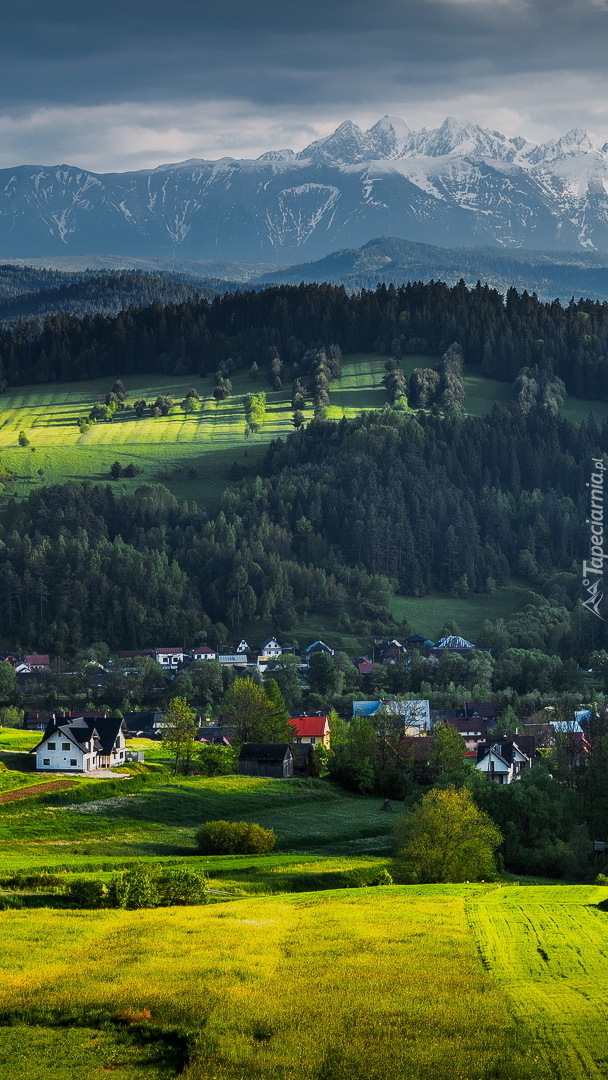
[271, 51]
[114, 84]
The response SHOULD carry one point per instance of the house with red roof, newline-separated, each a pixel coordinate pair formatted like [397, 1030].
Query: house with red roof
[311, 730]
[203, 652]
[363, 665]
[37, 661]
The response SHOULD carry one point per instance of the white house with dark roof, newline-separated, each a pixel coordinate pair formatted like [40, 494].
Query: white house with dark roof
[82, 745]
[270, 648]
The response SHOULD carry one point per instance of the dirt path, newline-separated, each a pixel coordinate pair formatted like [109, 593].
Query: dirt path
[36, 789]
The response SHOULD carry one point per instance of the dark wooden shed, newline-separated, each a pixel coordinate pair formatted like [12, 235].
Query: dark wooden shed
[266, 759]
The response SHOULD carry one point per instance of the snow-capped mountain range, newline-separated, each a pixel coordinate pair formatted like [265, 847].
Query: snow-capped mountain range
[458, 184]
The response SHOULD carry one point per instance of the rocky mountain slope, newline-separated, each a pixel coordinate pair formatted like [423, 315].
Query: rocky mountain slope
[458, 184]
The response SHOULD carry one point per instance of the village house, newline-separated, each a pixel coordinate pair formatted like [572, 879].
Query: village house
[416, 714]
[270, 649]
[37, 662]
[502, 761]
[315, 647]
[452, 644]
[363, 665]
[237, 659]
[266, 759]
[82, 745]
[203, 652]
[311, 730]
[472, 729]
[390, 651]
[169, 657]
[11, 658]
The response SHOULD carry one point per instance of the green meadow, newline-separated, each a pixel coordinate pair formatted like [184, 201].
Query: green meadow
[334, 985]
[296, 969]
[157, 814]
[191, 455]
[466, 982]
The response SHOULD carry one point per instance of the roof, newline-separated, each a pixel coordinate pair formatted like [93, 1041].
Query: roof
[203, 649]
[37, 658]
[481, 708]
[169, 649]
[270, 641]
[454, 642]
[366, 708]
[363, 665]
[472, 725]
[263, 751]
[318, 646]
[507, 751]
[126, 653]
[80, 730]
[310, 726]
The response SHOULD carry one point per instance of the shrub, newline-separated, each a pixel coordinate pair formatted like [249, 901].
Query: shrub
[133, 889]
[23, 439]
[234, 838]
[85, 893]
[182, 886]
[9, 902]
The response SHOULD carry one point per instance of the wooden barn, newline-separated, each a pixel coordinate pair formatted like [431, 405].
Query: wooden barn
[266, 759]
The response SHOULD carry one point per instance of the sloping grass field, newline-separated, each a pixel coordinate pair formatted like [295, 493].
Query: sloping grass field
[369, 984]
[292, 972]
[158, 815]
[192, 454]
[546, 947]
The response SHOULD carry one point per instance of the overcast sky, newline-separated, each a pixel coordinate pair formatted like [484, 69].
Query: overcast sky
[124, 84]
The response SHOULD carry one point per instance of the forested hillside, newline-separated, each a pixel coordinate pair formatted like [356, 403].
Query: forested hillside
[345, 514]
[502, 335]
[31, 294]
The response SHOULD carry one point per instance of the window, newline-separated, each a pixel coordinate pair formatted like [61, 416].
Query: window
[46, 761]
[313, 739]
[51, 746]
[65, 746]
[73, 761]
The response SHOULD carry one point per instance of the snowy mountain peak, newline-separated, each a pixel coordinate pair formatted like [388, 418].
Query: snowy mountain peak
[459, 183]
[575, 142]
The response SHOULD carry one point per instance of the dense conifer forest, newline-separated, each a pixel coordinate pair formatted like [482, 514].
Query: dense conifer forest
[502, 335]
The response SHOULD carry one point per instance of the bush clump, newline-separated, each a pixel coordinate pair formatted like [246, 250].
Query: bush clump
[85, 893]
[234, 838]
[182, 886]
[133, 889]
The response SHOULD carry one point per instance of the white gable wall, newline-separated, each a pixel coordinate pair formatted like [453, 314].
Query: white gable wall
[52, 755]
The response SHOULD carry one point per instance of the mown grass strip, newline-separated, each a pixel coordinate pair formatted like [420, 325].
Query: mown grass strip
[546, 946]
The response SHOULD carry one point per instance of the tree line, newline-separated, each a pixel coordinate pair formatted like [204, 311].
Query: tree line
[277, 326]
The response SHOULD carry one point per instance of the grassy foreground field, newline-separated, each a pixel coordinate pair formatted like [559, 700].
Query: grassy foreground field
[546, 946]
[371, 984]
